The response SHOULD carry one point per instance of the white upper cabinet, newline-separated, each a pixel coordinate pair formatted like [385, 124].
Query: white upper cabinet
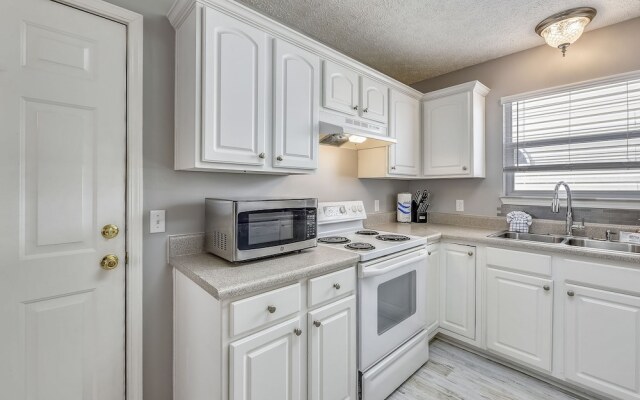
[341, 88]
[296, 107]
[453, 123]
[374, 98]
[235, 83]
[404, 125]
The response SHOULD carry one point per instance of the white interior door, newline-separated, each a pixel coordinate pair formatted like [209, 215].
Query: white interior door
[62, 173]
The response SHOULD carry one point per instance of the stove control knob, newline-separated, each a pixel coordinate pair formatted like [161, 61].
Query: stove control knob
[360, 208]
[354, 208]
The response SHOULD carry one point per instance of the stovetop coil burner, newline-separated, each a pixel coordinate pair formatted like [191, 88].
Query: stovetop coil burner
[392, 238]
[334, 240]
[360, 246]
[367, 232]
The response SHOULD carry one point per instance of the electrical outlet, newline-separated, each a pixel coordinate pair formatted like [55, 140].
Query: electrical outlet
[156, 221]
[376, 205]
[460, 205]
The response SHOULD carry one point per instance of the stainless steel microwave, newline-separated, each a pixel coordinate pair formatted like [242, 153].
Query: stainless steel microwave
[244, 229]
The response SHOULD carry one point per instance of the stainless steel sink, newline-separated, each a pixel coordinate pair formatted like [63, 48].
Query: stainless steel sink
[602, 244]
[531, 237]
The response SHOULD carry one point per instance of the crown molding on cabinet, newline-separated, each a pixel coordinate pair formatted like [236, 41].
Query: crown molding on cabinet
[473, 86]
[181, 9]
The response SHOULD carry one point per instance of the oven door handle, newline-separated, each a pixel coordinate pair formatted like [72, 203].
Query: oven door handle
[369, 272]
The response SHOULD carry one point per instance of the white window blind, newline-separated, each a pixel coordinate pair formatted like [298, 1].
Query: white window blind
[588, 135]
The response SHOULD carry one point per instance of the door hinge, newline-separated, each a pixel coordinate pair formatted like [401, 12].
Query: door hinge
[126, 258]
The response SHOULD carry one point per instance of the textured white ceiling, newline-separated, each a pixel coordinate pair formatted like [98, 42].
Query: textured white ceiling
[412, 40]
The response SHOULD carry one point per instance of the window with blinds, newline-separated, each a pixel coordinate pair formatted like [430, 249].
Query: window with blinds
[587, 135]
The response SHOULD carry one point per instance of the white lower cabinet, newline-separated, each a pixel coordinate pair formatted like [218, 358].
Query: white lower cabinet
[602, 340]
[519, 317]
[266, 365]
[332, 351]
[458, 289]
[433, 287]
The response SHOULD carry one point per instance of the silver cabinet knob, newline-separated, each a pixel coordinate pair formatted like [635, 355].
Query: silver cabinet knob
[262, 155]
[355, 108]
[570, 293]
[271, 309]
[297, 331]
[546, 287]
[366, 110]
[317, 324]
[470, 253]
[394, 167]
[464, 168]
[279, 158]
[337, 286]
[428, 253]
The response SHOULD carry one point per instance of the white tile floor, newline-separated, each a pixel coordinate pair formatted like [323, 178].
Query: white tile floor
[456, 374]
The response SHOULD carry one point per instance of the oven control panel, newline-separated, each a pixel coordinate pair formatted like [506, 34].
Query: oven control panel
[341, 211]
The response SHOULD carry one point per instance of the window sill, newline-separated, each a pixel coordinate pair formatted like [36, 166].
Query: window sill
[617, 204]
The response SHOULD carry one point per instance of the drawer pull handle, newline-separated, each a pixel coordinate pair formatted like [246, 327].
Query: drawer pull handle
[337, 286]
[546, 287]
[271, 309]
[317, 324]
[470, 253]
[570, 293]
[297, 331]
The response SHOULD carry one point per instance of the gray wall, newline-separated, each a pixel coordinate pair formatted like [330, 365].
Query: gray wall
[606, 51]
[182, 193]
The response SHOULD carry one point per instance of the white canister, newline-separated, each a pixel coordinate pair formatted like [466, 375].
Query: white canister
[404, 207]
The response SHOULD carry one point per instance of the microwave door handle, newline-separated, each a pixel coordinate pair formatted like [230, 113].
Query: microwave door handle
[366, 273]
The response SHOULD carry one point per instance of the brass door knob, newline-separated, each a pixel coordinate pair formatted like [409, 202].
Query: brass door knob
[110, 231]
[109, 262]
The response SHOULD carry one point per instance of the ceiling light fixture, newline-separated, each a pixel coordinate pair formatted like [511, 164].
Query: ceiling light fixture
[564, 28]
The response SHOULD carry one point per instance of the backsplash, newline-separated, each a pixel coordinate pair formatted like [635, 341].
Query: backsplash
[594, 215]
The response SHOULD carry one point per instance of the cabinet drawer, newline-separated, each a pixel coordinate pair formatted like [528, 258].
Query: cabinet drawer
[519, 261]
[330, 286]
[256, 311]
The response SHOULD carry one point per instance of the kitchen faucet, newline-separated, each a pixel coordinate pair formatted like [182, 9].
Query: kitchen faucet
[555, 205]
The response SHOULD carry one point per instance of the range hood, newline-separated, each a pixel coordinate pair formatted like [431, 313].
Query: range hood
[351, 133]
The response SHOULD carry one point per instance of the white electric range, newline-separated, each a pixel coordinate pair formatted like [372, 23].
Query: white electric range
[392, 340]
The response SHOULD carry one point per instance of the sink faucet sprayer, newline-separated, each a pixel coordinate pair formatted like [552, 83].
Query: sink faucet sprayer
[555, 205]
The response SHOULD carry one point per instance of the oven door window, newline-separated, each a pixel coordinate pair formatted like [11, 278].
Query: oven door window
[396, 301]
[267, 228]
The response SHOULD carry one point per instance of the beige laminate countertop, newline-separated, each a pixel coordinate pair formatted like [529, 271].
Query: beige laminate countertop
[223, 279]
[437, 232]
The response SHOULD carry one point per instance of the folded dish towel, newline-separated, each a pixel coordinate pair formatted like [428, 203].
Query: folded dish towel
[519, 221]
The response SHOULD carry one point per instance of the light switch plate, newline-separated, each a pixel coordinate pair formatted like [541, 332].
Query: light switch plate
[156, 221]
[459, 205]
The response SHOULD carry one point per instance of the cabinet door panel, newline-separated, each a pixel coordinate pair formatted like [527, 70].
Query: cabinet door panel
[433, 287]
[519, 317]
[332, 351]
[340, 88]
[374, 100]
[297, 91]
[234, 101]
[447, 135]
[602, 346]
[404, 125]
[458, 289]
[266, 365]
